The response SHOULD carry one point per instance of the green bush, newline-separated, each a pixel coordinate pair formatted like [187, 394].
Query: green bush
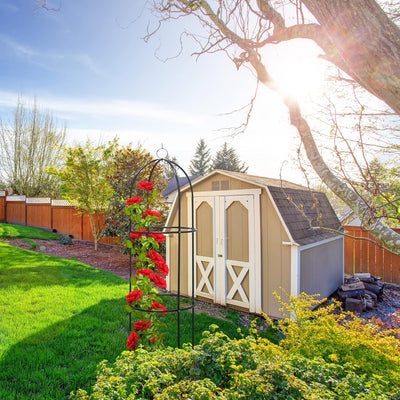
[247, 368]
[65, 239]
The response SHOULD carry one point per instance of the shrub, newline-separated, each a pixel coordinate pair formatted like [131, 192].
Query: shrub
[338, 337]
[65, 239]
[247, 368]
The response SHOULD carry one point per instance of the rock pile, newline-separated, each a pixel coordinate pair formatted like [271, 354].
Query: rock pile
[361, 292]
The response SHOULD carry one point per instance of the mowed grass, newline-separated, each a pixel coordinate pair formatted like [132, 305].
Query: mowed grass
[59, 318]
[19, 231]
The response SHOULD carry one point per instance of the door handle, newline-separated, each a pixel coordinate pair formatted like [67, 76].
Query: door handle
[219, 255]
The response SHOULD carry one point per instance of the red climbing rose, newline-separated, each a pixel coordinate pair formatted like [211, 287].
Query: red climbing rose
[145, 272]
[158, 237]
[135, 295]
[158, 281]
[137, 234]
[158, 306]
[134, 200]
[132, 341]
[142, 325]
[145, 185]
[152, 213]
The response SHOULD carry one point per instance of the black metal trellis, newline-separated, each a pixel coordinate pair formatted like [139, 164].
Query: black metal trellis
[170, 230]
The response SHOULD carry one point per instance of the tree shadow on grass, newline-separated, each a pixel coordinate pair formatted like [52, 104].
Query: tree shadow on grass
[64, 356]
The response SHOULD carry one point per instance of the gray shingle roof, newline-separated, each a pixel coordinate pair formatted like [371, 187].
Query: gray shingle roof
[303, 210]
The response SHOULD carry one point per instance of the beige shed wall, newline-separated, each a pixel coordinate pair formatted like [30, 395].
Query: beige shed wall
[223, 182]
[275, 257]
[184, 251]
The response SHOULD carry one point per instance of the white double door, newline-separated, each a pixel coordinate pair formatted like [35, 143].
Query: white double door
[227, 251]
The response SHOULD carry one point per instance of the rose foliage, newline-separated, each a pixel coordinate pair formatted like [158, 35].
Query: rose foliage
[322, 355]
[144, 301]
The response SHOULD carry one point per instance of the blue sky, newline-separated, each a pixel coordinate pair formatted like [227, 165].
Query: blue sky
[88, 64]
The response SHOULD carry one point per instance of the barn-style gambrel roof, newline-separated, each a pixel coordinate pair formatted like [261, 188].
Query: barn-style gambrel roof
[304, 212]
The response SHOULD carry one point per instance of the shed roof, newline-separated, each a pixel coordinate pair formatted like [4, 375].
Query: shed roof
[301, 209]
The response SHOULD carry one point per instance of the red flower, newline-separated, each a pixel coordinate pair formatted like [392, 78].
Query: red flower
[134, 200]
[135, 295]
[145, 185]
[141, 325]
[158, 237]
[155, 257]
[132, 341]
[158, 281]
[158, 306]
[153, 338]
[163, 269]
[137, 234]
[145, 272]
[152, 213]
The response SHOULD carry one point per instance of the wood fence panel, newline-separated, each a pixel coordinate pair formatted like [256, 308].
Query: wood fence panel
[68, 221]
[16, 212]
[364, 256]
[87, 231]
[3, 216]
[349, 252]
[39, 215]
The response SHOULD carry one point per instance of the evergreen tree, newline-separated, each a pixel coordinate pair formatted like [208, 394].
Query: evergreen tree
[200, 164]
[228, 160]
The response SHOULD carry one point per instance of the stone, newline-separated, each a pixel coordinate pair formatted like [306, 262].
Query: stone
[354, 305]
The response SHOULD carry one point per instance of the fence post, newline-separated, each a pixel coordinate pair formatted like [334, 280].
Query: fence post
[3, 206]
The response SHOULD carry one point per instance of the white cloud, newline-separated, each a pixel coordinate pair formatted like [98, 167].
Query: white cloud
[49, 60]
[72, 108]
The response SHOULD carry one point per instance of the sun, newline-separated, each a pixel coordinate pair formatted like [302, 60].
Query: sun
[296, 68]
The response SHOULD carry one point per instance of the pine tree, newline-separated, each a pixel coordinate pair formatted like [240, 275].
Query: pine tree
[228, 160]
[200, 164]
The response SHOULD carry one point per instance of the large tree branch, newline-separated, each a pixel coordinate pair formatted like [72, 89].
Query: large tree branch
[367, 41]
[380, 231]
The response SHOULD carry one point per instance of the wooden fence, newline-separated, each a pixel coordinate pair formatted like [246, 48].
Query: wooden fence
[364, 256]
[47, 213]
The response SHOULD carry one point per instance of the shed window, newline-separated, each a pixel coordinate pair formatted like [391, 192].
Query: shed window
[215, 185]
[224, 185]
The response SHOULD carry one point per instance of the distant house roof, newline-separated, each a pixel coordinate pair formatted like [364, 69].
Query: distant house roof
[174, 182]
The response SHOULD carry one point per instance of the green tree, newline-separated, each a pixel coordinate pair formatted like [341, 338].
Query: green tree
[28, 144]
[127, 162]
[380, 187]
[228, 160]
[168, 171]
[358, 37]
[200, 164]
[84, 181]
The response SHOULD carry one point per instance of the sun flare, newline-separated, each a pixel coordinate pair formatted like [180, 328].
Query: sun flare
[297, 70]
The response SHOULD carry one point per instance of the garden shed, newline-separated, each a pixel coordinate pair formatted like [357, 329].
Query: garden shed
[254, 236]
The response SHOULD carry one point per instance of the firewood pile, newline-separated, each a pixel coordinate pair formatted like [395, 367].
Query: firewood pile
[361, 292]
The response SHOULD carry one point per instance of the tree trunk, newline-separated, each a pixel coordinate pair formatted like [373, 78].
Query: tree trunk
[367, 44]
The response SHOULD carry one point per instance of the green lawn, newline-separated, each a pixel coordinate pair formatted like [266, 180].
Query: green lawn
[59, 318]
[19, 231]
